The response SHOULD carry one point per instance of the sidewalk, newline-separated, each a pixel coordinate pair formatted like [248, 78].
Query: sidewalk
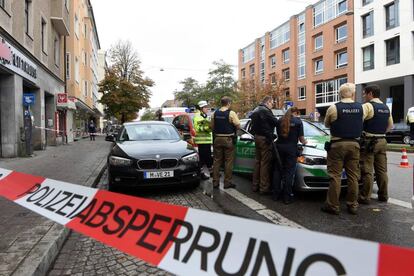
[28, 242]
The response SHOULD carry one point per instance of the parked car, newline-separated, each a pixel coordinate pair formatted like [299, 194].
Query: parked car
[151, 153]
[184, 124]
[399, 133]
[311, 172]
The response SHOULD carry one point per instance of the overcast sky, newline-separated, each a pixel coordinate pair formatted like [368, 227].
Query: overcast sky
[184, 37]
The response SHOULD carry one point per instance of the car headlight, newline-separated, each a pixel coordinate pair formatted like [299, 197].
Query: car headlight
[311, 160]
[119, 161]
[191, 158]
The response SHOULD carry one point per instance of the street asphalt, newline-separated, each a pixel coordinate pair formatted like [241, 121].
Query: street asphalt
[29, 243]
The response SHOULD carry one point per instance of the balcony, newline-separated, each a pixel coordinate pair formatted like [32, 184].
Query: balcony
[60, 17]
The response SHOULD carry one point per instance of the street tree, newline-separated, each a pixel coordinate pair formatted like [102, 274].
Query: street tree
[190, 94]
[125, 89]
[220, 83]
[148, 116]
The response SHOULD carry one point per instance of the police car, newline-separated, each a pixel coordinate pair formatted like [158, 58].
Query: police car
[311, 174]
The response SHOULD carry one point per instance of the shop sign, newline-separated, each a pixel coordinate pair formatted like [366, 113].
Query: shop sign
[62, 100]
[29, 99]
[17, 62]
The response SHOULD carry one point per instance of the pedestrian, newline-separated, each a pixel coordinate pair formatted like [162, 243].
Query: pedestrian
[410, 121]
[290, 132]
[158, 115]
[263, 128]
[377, 122]
[203, 137]
[224, 123]
[345, 119]
[92, 130]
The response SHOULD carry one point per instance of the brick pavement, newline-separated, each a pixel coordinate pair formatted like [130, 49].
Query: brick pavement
[84, 256]
[29, 242]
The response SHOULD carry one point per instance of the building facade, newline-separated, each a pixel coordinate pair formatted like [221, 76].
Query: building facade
[384, 49]
[32, 36]
[313, 53]
[82, 69]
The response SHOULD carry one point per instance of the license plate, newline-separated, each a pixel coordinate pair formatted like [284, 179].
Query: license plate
[162, 174]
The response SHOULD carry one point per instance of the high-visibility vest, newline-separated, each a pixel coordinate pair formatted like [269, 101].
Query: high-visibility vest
[202, 130]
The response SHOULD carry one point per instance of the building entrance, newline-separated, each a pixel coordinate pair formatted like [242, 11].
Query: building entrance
[397, 95]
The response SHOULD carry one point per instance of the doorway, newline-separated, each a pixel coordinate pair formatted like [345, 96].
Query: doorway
[397, 95]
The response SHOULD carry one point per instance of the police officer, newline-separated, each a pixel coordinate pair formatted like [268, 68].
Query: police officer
[224, 123]
[345, 119]
[410, 121]
[203, 136]
[289, 131]
[263, 127]
[377, 121]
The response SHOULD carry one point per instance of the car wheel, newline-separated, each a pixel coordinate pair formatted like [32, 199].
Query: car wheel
[407, 139]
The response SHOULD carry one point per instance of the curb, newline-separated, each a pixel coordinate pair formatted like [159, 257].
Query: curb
[42, 256]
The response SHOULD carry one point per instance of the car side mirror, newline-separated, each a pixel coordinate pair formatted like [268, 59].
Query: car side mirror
[110, 138]
[186, 136]
[184, 127]
[247, 138]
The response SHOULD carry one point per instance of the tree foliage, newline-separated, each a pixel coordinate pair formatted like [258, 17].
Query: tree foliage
[191, 92]
[148, 116]
[125, 90]
[220, 83]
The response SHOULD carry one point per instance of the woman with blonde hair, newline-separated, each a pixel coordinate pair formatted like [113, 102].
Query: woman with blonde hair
[290, 131]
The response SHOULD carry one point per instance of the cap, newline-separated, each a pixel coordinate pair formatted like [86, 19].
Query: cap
[202, 104]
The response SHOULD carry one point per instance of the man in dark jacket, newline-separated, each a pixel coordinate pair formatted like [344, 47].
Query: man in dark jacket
[263, 127]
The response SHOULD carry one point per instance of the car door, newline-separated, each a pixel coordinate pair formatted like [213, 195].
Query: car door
[245, 151]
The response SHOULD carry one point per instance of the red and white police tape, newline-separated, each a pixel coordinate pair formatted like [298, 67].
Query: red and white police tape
[187, 241]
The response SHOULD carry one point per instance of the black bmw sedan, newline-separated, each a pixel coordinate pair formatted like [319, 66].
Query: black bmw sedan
[151, 153]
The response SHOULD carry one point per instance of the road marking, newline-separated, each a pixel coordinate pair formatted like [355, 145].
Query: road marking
[262, 209]
[396, 202]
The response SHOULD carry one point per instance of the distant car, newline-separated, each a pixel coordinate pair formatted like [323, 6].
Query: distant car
[400, 133]
[151, 153]
[184, 124]
[311, 172]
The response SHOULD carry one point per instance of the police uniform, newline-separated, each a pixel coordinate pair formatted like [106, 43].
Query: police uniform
[345, 120]
[224, 124]
[410, 121]
[203, 138]
[263, 127]
[287, 147]
[377, 120]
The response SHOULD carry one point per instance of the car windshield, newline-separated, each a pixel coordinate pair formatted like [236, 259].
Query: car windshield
[311, 130]
[147, 132]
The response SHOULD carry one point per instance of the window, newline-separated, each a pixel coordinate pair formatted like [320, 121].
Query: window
[251, 68]
[85, 30]
[273, 78]
[366, 2]
[318, 42]
[285, 56]
[368, 58]
[391, 15]
[56, 51]
[301, 27]
[76, 26]
[342, 6]
[368, 24]
[318, 12]
[393, 50]
[43, 35]
[341, 33]
[248, 53]
[272, 61]
[68, 66]
[280, 36]
[85, 58]
[286, 74]
[318, 66]
[243, 74]
[85, 89]
[77, 69]
[302, 93]
[326, 92]
[27, 15]
[341, 59]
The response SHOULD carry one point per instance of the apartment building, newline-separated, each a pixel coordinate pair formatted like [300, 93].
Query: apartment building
[313, 52]
[82, 69]
[31, 73]
[384, 49]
